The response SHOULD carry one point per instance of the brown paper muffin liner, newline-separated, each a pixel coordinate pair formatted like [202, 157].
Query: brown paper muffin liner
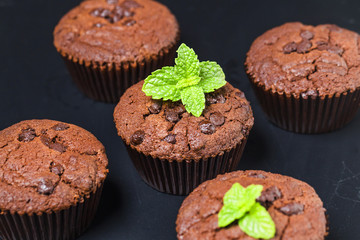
[313, 114]
[106, 82]
[180, 178]
[66, 224]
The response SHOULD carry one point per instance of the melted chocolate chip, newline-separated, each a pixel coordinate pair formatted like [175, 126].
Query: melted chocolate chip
[206, 127]
[217, 119]
[256, 175]
[307, 35]
[96, 12]
[213, 98]
[60, 127]
[170, 138]
[240, 94]
[130, 4]
[45, 186]
[137, 137]
[119, 11]
[155, 108]
[330, 48]
[57, 146]
[290, 47]
[304, 46]
[27, 135]
[269, 195]
[99, 25]
[56, 168]
[172, 116]
[128, 13]
[292, 209]
[129, 22]
[52, 143]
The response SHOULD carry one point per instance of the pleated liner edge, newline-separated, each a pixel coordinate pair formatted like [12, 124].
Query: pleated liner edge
[180, 178]
[66, 224]
[308, 115]
[106, 82]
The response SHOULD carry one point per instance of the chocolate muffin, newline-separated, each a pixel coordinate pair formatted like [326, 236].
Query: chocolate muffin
[108, 45]
[51, 178]
[306, 77]
[175, 151]
[294, 206]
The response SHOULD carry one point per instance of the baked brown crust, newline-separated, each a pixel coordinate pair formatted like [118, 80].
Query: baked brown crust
[294, 206]
[165, 130]
[305, 60]
[48, 166]
[116, 31]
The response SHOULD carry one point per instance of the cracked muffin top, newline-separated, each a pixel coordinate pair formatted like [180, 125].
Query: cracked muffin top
[294, 206]
[116, 30]
[48, 166]
[305, 60]
[164, 130]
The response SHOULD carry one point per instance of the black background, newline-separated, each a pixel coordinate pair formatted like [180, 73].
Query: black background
[35, 84]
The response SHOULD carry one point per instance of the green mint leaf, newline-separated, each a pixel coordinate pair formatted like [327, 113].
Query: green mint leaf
[212, 76]
[258, 223]
[187, 62]
[237, 202]
[188, 80]
[162, 84]
[193, 98]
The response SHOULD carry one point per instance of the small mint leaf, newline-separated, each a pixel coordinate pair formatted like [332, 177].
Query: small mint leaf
[187, 62]
[258, 223]
[187, 82]
[239, 200]
[161, 84]
[193, 98]
[212, 76]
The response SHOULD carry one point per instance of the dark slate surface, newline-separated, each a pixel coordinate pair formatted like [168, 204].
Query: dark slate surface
[35, 84]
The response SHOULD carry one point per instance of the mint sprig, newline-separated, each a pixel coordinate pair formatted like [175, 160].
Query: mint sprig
[187, 81]
[240, 204]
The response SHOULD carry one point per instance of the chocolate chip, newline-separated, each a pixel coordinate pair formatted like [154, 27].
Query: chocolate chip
[170, 138]
[56, 168]
[129, 22]
[112, 1]
[307, 35]
[137, 137]
[119, 11]
[105, 13]
[128, 13]
[292, 209]
[217, 119]
[130, 4]
[256, 175]
[207, 127]
[52, 143]
[304, 46]
[240, 94]
[27, 135]
[60, 127]
[45, 186]
[57, 146]
[96, 12]
[99, 25]
[322, 45]
[309, 93]
[116, 18]
[171, 116]
[290, 47]
[155, 108]
[270, 195]
[335, 49]
[213, 98]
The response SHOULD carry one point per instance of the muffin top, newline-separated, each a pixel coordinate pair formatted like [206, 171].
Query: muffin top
[294, 206]
[164, 130]
[48, 166]
[116, 30]
[305, 60]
